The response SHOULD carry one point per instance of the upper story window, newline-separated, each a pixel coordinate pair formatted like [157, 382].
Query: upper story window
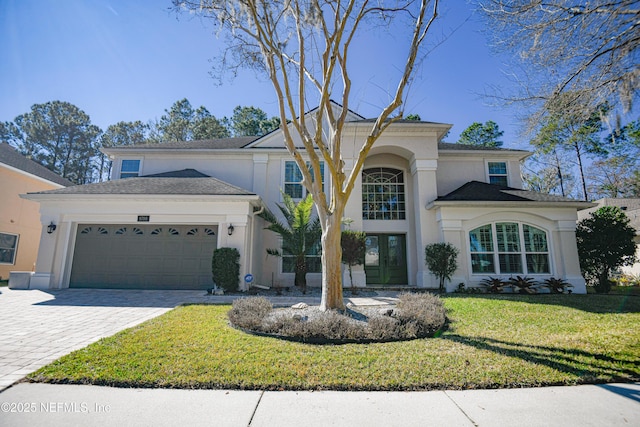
[129, 168]
[383, 194]
[293, 179]
[498, 173]
[8, 248]
[509, 248]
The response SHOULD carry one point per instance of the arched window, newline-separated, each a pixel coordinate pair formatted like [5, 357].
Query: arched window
[383, 194]
[509, 248]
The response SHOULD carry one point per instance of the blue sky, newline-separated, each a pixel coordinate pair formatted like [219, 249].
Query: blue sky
[130, 60]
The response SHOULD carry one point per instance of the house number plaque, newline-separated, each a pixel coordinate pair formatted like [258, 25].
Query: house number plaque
[143, 218]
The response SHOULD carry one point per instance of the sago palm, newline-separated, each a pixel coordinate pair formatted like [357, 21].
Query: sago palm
[300, 234]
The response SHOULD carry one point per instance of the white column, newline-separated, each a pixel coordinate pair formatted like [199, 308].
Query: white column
[423, 172]
[260, 161]
[567, 261]
[43, 278]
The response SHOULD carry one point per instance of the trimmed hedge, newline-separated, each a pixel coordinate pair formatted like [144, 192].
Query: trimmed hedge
[225, 268]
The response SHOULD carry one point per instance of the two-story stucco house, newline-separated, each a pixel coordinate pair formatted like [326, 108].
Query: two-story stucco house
[167, 206]
[20, 226]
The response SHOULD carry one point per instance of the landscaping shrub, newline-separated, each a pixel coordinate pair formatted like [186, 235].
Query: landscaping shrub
[523, 284]
[249, 313]
[493, 285]
[441, 259]
[556, 286]
[415, 316]
[225, 268]
[420, 314]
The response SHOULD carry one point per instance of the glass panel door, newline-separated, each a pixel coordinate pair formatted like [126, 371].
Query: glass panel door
[385, 259]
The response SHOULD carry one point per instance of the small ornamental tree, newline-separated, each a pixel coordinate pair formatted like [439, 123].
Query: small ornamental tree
[441, 260]
[225, 268]
[605, 242]
[354, 247]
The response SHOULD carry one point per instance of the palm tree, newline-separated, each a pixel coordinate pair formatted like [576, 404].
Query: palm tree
[300, 234]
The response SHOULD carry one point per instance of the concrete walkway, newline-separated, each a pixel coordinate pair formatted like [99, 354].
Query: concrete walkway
[65, 405]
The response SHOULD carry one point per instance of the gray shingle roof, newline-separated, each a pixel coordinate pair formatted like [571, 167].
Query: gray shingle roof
[469, 147]
[185, 182]
[10, 157]
[476, 191]
[184, 173]
[207, 144]
[373, 120]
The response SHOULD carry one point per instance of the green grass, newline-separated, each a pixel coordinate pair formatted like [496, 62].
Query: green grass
[492, 341]
[619, 290]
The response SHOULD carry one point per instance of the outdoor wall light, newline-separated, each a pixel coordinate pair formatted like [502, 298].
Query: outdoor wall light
[51, 228]
[230, 229]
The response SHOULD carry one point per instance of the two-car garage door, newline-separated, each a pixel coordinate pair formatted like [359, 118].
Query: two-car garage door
[136, 256]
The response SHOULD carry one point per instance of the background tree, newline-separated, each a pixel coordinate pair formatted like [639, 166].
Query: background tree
[117, 135]
[605, 243]
[354, 246]
[613, 177]
[304, 46]
[57, 135]
[487, 134]
[441, 261]
[568, 130]
[251, 121]
[177, 122]
[206, 126]
[548, 173]
[589, 48]
[300, 234]
[182, 123]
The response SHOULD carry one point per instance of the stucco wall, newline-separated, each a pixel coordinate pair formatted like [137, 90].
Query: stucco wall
[21, 217]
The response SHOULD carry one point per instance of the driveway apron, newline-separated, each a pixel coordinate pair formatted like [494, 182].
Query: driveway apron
[38, 327]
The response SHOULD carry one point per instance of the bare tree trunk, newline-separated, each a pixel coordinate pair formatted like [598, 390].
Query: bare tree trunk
[332, 264]
[560, 177]
[581, 168]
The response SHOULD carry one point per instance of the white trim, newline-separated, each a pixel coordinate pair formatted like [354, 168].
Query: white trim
[283, 167]
[118, 173]
[489, 175]
[15, 248]
[523, 253]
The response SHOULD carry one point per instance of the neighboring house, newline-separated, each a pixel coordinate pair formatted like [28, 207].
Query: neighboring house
[20, 226]
[156, 223]
[631, 208]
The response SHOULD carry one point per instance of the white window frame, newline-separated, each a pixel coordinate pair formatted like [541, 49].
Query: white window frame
[130, 173]
[495, 253]
[399, 212]
[505, 175]
[304, 189]
[14, 249]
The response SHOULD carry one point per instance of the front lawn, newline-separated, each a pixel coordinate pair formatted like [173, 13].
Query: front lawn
[492, 341]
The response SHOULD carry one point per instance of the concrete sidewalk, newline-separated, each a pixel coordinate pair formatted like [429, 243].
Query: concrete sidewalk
[64, 405]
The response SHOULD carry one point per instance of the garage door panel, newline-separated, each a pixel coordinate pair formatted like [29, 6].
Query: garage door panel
[143, 256]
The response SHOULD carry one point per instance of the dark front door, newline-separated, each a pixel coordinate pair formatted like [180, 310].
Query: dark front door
[385, 260]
